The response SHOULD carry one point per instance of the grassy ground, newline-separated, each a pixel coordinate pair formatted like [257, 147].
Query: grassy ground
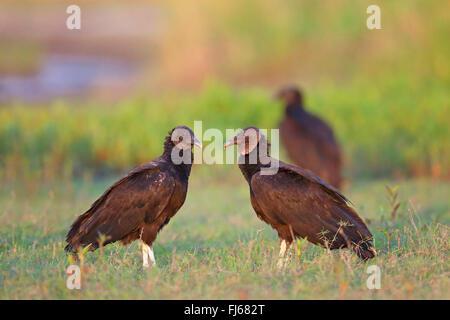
[216, 248]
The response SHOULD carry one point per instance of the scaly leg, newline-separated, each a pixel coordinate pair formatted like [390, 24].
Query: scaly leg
[145, 255]
[283, 247]
[151, 255]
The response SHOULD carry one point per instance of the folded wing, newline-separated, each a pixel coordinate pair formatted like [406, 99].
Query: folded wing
[138, 197]
[314, 209]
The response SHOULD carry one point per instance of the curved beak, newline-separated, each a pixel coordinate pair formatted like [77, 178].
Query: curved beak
[197, 143]
[230, 142]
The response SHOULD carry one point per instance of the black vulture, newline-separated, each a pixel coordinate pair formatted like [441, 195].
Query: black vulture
[309, 141]
[141, 203]
[297, 203]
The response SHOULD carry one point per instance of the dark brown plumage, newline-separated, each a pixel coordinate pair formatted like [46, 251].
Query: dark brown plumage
[141, 203]
[296, 203]
[309, 141]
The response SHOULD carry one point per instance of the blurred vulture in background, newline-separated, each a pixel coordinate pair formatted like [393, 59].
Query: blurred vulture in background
[308, 140]
[140, 204]
[297, 203]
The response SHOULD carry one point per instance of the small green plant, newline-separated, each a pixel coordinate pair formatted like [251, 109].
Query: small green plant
[80, 254]
[101, 241]
[393, 200]
[301, 244]
[388, 236]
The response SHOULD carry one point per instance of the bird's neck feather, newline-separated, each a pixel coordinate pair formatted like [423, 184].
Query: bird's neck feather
[294, 108]
[249, 169]
[182, 168]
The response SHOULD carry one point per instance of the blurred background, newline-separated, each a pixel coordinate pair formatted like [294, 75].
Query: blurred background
[101, 99]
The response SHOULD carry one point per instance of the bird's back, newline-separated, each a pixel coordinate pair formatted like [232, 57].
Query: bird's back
[311, 144]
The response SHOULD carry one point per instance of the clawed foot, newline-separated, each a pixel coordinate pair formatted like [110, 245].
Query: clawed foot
[280, 264]
[148, 266]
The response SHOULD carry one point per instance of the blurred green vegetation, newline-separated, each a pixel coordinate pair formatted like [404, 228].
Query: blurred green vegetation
[393, 129]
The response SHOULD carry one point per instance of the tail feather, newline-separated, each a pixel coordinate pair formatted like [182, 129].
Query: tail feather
[365, 250]
[79, 235]
[69, 248]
